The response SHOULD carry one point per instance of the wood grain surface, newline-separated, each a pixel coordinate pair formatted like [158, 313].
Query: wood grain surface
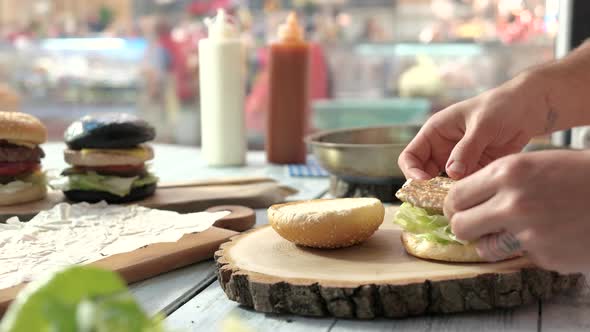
[181, 197]
[263, 271]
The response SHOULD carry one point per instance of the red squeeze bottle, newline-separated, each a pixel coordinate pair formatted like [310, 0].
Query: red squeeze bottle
[288, 95]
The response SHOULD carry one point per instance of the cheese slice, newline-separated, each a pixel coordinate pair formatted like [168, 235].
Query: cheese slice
[21, 143]
[142, 152]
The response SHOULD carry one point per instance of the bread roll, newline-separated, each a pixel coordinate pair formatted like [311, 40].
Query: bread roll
[457, 253]
[15, 126]
[334, 223]
[35, 192]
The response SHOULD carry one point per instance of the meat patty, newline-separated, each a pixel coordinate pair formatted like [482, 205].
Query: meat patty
[427, 194]
[12, 153]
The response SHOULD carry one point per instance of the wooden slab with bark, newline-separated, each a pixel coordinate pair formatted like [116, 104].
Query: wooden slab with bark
[261, 270]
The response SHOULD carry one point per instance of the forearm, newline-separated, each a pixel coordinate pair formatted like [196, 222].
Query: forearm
[564, 89]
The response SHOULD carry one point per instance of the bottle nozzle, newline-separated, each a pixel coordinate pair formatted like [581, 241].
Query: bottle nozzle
[220, 27]
[292, 19]
[291, 30]
[220, 15]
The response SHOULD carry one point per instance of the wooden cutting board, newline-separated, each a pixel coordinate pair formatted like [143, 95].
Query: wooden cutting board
[159, 258]
[261, 270]
[183, 197]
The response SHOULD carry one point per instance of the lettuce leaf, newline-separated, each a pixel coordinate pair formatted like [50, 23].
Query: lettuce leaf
[148, 179]
[430, 227]
[115, 185]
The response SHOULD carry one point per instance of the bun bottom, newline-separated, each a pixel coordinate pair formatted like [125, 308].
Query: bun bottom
[36, 192]
[456, 253]
[93, 196]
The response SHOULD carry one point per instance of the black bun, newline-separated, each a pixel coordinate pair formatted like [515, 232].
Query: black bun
[108, 131]
[90, 196]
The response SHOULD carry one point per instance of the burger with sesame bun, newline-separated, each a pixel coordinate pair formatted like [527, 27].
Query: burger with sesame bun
[426, 231]
[21, 178]
[107, 154]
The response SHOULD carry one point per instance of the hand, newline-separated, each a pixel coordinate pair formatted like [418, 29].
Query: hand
[469, 135]
[541, 198]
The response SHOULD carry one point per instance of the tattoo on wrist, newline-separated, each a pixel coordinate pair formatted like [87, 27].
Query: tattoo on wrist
[551, 118]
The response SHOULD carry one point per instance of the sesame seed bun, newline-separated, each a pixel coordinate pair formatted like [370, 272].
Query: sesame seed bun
[456, 253]
[16, 126]
[329, 223]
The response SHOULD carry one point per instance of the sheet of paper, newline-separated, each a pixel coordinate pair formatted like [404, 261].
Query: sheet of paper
[84, 233]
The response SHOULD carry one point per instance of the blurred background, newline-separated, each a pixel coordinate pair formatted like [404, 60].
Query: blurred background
[373, 61]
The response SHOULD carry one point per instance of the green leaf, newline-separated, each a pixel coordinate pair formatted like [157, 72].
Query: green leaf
[115, 185]
[50, 304]
[148, 179]
[432, 227]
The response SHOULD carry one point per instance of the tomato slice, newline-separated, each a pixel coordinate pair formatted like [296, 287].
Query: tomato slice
[14, 169]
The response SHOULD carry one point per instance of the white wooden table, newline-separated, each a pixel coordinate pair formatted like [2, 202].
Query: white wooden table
[193, 300]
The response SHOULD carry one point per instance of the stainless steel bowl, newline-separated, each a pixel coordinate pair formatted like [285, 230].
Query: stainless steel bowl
[363, 155]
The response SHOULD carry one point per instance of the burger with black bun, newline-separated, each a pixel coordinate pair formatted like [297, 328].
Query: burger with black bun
[107, 154]
[21, 178]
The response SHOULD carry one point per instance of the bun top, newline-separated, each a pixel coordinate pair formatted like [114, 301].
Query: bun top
[327, 206]
[427, 194]
[327, 223]
[108, 131]
[320, 210]
[16, 126]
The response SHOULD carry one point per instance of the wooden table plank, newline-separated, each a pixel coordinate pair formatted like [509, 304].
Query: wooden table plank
[568, 312]
[210, 309]
[167, 292]
[517, 320]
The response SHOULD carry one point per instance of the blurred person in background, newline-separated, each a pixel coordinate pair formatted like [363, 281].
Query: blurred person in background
[171, 70]
[158, 78]
[372, 31]
[187, 121]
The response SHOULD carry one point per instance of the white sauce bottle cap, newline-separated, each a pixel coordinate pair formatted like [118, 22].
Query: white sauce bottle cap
[221, 27]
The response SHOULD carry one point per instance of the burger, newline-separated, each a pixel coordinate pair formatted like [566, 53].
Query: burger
[108, 155]
[21, 178]
[426, 231]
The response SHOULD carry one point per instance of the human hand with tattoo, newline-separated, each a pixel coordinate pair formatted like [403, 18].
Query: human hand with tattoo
[489, 130]
[534, 202]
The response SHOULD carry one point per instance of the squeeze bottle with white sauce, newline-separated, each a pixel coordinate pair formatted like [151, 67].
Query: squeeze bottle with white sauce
[223, 127]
